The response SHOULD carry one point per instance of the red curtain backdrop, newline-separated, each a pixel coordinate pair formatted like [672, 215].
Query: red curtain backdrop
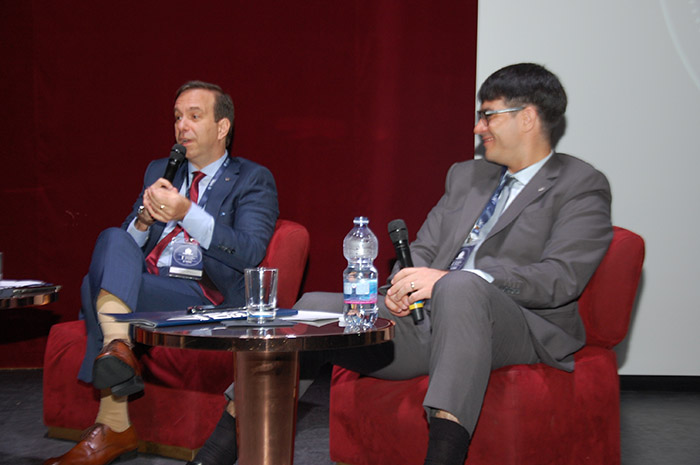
[357, 107]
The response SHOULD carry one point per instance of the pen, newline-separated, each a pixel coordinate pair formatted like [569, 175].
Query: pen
[211, 309]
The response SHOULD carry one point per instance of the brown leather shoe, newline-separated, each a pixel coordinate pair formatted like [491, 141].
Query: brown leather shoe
[116, 367]
[99, 445]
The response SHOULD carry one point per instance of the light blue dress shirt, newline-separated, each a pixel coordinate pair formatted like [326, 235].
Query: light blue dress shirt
[197, 222]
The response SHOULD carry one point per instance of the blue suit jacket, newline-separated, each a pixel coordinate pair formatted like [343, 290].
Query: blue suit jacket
[244, 205]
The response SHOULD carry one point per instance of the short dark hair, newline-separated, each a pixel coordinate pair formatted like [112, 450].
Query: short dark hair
[223, 104]
[528, 84]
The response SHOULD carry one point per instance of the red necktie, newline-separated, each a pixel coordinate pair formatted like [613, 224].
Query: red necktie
[152, 259]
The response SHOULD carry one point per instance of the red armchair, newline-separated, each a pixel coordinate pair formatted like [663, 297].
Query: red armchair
[183, 398]
[532, 414]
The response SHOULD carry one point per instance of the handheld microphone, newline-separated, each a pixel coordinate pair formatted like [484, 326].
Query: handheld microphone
[177, 156]
[399, 237]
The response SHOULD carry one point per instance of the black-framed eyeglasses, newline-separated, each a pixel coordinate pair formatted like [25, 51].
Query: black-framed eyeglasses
[487, 114]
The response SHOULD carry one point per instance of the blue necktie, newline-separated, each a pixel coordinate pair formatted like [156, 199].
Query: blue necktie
[492, 211]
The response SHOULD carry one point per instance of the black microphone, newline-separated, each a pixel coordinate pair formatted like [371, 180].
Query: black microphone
[177, 156]
[399, 237]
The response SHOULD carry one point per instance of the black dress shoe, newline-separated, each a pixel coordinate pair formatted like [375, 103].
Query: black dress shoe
[117, 368]
[220, 448]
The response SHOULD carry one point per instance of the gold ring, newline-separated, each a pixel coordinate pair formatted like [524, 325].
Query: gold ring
[162, 206]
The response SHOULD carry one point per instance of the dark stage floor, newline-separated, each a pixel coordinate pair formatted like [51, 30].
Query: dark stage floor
[658, 427]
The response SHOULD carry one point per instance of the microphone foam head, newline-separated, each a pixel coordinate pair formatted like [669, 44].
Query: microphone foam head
[178, 152]
[398, 231]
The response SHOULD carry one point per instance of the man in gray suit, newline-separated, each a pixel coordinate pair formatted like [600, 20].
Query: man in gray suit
[500, 261]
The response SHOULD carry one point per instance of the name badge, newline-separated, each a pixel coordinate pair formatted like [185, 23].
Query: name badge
[187, 260]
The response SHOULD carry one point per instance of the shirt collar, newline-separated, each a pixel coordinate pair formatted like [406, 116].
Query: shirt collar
[208, 170]
[526, 174]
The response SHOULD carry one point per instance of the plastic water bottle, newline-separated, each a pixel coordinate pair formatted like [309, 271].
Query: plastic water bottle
[360, 247]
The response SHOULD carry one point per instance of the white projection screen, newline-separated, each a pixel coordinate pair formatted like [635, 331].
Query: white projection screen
[631, 69]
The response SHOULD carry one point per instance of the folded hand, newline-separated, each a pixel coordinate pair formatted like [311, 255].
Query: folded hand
[411, 285]
[164, 202]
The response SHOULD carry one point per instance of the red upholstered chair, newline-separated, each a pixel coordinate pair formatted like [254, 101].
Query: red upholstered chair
[183, 398]
[532, 414]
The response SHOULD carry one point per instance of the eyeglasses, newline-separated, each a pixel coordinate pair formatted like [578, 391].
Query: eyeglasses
[487, 114]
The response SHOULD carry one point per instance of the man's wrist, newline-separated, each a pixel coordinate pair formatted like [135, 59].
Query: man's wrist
[141, 223]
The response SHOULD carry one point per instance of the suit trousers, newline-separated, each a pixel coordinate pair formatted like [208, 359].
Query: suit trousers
[118, 266]
[470, 328]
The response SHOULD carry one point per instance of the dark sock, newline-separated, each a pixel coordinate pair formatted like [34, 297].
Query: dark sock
[448, 443]
[220, 448]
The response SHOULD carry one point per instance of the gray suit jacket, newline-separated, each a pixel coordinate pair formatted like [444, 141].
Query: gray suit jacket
[541, 252]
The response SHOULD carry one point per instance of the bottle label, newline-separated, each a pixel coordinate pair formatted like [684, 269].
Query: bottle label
[363, 291]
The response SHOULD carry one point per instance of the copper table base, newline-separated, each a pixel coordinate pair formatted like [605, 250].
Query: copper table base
[268, 384]
[266, 375]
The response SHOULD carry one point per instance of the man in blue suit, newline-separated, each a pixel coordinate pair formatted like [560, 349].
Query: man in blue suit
[220, 208]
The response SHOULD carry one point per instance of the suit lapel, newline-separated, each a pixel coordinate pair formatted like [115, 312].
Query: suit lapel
[222, 187]
[538, 186]
[483, 185]
[158, 227]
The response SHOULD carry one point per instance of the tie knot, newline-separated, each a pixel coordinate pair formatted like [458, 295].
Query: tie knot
[506, 182]
[197, 176]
